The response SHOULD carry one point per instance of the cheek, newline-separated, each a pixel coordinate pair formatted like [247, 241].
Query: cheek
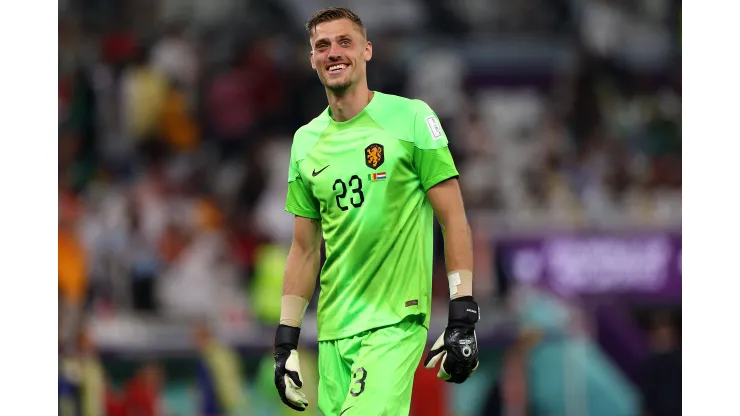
[316, 61]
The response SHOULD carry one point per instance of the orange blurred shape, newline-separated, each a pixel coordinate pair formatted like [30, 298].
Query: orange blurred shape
[209, 216]
[177, 126]
[72, 266]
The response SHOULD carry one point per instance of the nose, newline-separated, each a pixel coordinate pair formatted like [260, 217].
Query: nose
[334, 53]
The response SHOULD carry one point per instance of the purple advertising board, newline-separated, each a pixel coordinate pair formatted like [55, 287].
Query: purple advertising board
[644, 267]
[645, 264]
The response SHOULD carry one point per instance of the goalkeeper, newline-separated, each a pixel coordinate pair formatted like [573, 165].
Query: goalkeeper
[369, 174]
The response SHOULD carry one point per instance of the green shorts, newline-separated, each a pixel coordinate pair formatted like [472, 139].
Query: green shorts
[371, 373]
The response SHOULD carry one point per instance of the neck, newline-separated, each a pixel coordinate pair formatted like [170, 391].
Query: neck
[347, 104]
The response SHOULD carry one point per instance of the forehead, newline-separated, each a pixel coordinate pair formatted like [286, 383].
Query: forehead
[335, 28]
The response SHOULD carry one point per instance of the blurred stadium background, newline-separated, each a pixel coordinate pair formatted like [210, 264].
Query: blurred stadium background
[175, 123]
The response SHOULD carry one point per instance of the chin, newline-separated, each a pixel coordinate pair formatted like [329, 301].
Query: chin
[338, 85]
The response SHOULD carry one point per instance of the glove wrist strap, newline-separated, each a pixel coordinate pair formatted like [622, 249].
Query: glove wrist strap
[463, 312]
[287, 337]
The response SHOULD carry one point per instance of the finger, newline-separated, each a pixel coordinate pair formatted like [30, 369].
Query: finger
[294, 407]
[292, 364]
[293, 368]
[477, 363]
[439, 343]
[293, 399]
[291, 384]
[442, 373]
[294, 396]
[297, 398]
[433, 356]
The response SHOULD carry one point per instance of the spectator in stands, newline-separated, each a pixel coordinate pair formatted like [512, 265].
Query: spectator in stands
[72, 273]
[661, 378]
[218, 372]
[142, 393]
[230, 107]
[144, 92]
[82, 382]
[175, 57]
[178, 127]
[95, 397]
[145, 264]
[118, 45]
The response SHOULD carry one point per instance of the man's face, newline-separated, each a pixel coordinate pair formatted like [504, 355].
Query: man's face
[339, 53]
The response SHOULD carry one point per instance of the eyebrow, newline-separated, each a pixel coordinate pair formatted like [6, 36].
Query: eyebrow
[326, 39]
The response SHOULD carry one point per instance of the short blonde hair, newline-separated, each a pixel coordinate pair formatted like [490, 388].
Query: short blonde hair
[330, 14]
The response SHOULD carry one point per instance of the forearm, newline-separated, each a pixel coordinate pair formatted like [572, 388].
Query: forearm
[448, 207]
[301, 270]
[458, 256]
[299, 283]
[457, 347]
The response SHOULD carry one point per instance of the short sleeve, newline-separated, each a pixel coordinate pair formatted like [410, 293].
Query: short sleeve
[432, 158]
[299, 200]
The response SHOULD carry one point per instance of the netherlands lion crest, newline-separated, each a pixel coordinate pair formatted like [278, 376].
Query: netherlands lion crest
[374, 155]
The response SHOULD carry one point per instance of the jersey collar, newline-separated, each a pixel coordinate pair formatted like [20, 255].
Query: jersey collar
[356, 117]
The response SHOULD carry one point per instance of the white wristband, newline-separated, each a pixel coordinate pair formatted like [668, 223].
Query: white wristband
[292, 310]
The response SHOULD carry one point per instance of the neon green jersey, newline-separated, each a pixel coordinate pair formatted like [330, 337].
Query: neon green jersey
[366, 180]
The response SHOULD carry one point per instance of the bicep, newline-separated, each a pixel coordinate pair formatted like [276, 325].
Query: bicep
[306, 233]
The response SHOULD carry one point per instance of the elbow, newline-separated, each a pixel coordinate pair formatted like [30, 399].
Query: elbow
[306, 246]
[307, 251]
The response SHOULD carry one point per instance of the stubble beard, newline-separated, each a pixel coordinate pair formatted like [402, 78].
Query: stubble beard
[339, 87]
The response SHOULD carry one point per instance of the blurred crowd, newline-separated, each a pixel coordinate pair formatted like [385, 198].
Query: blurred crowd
[174, 138]
[176, 119]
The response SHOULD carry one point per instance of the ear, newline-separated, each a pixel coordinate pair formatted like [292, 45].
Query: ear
[310, 57]
[368, 51]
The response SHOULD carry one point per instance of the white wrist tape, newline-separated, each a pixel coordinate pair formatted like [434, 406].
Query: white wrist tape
[461, 283]
[292, 310]
[455, 281]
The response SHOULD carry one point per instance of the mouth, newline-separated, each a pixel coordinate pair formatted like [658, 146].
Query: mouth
[336, 68]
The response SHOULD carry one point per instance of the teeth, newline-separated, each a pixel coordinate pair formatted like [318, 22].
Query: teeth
[337, 67]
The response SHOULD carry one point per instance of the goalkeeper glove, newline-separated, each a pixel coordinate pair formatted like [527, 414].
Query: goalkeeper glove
[288, 378]
[457, 347]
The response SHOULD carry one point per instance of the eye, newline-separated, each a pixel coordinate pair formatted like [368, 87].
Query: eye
[344, 42]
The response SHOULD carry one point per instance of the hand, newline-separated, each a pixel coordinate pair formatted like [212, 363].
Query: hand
[457, 347]
[288, 378]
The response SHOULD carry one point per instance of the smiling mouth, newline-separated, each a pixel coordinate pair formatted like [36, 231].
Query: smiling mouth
[336, 68]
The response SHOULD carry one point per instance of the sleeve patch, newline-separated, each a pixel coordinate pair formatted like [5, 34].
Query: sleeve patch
[434, 127]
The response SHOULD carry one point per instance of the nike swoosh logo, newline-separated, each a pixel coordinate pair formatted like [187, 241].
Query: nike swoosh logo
[314, 173]
[345, 410]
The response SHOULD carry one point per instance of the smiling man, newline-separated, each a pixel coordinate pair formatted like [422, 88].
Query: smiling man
[369, 174]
